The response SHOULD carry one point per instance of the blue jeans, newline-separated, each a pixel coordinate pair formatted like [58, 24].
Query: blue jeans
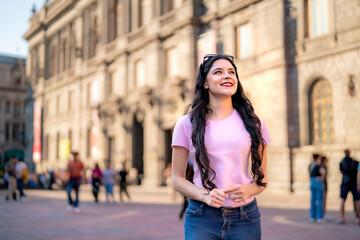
[73, 183]
[205, 222]
[20, 186]
[317, 198]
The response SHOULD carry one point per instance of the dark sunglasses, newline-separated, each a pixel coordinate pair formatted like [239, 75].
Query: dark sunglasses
[208, 56]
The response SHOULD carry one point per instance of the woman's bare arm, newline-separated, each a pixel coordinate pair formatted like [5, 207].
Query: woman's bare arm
[179, 163]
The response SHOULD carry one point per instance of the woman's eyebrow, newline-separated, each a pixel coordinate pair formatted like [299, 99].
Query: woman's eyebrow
[223, 69]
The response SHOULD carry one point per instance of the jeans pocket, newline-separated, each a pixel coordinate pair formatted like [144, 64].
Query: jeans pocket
[252, 214]
[192, 211]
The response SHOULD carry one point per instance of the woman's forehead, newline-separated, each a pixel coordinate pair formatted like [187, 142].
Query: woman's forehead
[222, 63]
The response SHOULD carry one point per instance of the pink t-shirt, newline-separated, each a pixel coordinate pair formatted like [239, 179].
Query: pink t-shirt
[228, 148]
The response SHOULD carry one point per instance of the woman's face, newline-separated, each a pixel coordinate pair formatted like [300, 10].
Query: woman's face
[221, 80]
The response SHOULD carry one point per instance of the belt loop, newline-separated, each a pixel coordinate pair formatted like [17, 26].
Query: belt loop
[242, 212]
[201, 208]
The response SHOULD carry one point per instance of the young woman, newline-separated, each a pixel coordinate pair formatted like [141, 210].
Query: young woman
[220, 133]
[317, 176]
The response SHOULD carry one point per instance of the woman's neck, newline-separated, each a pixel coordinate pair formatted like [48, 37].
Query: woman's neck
[221, 109]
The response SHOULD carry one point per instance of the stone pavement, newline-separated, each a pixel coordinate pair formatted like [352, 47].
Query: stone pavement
[152, 215]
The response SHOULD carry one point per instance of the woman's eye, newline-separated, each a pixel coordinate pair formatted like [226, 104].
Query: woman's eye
[232, 72]
[217, 72]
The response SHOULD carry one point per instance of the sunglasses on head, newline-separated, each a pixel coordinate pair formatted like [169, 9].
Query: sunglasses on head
[208, 56]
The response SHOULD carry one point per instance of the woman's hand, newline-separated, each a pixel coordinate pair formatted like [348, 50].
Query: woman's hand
[238, 193]
[215, 198]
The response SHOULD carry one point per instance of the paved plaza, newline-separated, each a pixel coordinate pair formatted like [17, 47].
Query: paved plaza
[153, 215]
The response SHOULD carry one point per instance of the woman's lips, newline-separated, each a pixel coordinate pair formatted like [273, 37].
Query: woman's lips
[227, 84]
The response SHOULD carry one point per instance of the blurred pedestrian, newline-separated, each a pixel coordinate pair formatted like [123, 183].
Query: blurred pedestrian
[324, 163]
[348, 168]
[96, 176]
[51, 178]
[123, 182]
[221, 133]
[108, 179]
[76, 175]
[22, 175]
[11, 178]
[317, 176]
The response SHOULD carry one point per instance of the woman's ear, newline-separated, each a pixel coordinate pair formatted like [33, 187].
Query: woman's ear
[206, 85]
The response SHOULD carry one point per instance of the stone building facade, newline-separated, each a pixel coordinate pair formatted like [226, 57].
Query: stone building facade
[112, 77]
[12, 105]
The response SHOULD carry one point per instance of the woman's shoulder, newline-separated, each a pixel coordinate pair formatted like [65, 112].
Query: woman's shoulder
[184, 120]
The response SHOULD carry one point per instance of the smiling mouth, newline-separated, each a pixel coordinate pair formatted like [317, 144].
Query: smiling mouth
[227, 84]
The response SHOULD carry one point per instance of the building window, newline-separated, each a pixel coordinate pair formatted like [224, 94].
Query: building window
[16, 132]
[166, 6]
[321, 113]
[34, 65]
[88, 142]
[65, 52]
[70, 100]
[46, 148]
[7, 131]
[119, 18]
[47, 108]
[90, 32]
[112, 19]
[53, 61]
[17, 79]
[316, 17]
[57, 104]
[17, 109]
[72, 46]
[171, 61]
[8, 107]
[111, 82]
[141, 7]
[244, 41]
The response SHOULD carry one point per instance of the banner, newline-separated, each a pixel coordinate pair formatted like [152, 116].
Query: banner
[37, 132]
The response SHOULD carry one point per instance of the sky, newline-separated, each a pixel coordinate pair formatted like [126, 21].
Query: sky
[14, 16]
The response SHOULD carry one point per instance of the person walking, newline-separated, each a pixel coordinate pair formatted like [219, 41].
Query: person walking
[317, 177]
[324, 163]
[11, 179]
[77, 174]
[348, 168]
[123, 183]
[96, 176]
[108, 179]
[221, 133]
[22, 175]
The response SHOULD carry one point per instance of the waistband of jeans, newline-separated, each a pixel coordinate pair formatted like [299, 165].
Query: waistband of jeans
[221, 210]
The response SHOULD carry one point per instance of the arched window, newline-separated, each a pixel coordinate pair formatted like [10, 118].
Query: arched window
[321, 113]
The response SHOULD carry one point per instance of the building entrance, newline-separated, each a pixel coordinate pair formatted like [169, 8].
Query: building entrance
[138, 149]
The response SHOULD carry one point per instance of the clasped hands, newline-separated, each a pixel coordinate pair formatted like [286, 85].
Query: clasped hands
[236, 192]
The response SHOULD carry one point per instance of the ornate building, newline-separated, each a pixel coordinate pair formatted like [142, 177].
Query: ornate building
[111, 77]
[12, 105]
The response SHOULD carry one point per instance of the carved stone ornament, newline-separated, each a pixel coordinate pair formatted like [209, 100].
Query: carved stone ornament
[351, 85]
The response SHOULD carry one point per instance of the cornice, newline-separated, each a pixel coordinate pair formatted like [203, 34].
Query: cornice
[46, 15]
[230, 9]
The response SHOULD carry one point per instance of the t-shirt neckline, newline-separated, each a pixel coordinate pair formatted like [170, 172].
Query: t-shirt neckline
[217, 121]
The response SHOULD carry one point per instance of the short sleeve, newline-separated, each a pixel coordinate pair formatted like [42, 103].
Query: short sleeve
[181, 133]
[265, 133]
